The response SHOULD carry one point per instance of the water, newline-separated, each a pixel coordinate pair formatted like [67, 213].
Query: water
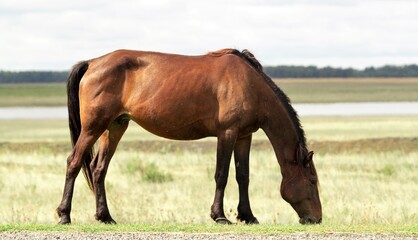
[33, 113]
[304, 109]
[357, 109]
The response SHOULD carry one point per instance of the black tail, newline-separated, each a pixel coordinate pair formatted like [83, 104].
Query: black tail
[73, 103]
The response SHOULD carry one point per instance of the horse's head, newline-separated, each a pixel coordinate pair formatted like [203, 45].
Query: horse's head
[300, 188]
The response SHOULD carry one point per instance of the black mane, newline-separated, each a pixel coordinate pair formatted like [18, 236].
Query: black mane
[301, 151]
[302, 148]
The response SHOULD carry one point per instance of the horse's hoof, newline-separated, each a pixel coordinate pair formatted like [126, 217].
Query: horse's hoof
[252, 221]
[107, 221]
[222, 220]
[247, 220]
[105, 218]
[64, 220]
[111, 221]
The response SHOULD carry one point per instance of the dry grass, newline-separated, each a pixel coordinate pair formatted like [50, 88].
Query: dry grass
[350, 89]
[367, 176]
[369, 188]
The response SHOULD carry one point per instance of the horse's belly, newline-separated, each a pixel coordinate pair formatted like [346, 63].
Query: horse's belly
[196, 130]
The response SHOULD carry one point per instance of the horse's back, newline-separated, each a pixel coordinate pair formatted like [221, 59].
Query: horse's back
[171, 95]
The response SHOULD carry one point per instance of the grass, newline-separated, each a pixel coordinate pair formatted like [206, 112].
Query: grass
[368, 178]
[299, 90]
[34, 94]
[350, 89]
[367, 168]
[264, 229]
[148, 173]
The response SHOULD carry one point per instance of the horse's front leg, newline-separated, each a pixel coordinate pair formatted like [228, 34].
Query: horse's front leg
[226, 142]
[242, 157]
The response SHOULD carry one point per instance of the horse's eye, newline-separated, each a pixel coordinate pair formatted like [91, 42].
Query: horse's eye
[313, 180]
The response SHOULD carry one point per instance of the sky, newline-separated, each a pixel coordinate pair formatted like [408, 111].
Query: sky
[54, 34]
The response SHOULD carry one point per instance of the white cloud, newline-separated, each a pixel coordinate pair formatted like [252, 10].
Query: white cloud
[49, 34]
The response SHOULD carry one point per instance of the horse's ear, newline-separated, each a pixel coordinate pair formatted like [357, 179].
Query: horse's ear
[309, 158]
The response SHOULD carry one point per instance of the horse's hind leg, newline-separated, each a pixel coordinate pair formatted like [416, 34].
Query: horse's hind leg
[81, 150]
[108, 143]
[242, 157]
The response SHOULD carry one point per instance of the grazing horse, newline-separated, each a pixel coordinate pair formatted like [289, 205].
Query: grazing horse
[224, 94]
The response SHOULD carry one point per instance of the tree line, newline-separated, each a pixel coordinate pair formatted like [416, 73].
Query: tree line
[33, 76]
[331, 72]
[281, 71]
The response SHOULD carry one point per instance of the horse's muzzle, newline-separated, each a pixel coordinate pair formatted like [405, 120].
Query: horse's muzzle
[310, 220]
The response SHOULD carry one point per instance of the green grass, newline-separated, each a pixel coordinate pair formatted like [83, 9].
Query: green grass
[368, 178]
[367, 167]
[41, 94]
[299, 91]
[350, 89]
[263, 229]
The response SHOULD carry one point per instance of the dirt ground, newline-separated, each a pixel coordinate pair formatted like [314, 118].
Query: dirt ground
[187, 236]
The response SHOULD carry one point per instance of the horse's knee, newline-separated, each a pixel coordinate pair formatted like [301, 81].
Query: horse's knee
[69, 159]
[221, 180]
[73, 166]
[242, 178]
[99, 174]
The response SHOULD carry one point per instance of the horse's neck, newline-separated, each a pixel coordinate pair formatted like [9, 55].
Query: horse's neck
[282, 135]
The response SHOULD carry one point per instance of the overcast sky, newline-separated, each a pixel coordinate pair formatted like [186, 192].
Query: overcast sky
[53, 35]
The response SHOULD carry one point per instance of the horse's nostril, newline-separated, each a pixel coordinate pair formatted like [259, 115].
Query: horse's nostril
[306, 220]
[310, 220]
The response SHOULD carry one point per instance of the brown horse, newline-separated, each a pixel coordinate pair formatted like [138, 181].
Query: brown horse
[224, 94]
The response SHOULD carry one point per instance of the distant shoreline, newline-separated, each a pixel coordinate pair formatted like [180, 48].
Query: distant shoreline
[304, 109]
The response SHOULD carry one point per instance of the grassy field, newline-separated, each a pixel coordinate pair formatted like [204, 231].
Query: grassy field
[350, 89]
[367, 168]
[368, 178]
[41, 94]
[262, 229]
[299, 90]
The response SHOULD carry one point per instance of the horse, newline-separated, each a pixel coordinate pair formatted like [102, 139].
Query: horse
[223, 94]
